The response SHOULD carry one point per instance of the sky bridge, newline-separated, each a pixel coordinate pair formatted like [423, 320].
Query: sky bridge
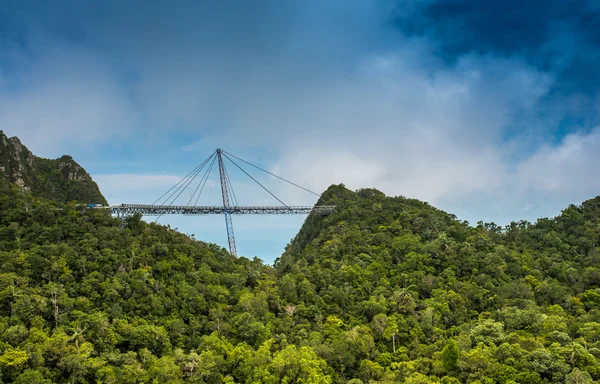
[159, 210]
[195, 183]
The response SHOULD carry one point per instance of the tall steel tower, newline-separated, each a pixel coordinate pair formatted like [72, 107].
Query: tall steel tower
[226, 206]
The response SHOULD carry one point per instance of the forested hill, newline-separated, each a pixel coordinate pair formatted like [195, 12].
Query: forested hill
[384, 290]
[59, 179]
[520, 303]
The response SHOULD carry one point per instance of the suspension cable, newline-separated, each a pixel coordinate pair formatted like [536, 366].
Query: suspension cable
[190, 180]
[281, 178]
[256, 181]
[230, 186]
[200, 183]
[183, 180]
[212, 164]
[212, 187]
[182, 187]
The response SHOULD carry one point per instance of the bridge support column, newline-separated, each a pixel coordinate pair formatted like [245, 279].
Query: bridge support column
[226, 206]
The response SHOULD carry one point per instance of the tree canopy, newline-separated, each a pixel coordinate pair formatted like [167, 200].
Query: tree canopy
[384, 290]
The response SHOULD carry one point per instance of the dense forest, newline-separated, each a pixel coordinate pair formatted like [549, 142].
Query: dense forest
[384, 290]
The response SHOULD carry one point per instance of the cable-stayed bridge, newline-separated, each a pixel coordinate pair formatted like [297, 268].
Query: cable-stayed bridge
[159, 210]
[195, 184]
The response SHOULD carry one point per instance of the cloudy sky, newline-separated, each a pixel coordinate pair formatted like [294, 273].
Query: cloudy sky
[487, 109]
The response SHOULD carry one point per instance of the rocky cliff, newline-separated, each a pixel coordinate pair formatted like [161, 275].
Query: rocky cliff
[59, 179]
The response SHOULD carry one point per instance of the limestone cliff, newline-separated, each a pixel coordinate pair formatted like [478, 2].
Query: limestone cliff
[59, 179]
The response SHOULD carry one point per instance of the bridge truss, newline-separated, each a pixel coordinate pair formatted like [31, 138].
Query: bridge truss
[165, 205]
[159, 210]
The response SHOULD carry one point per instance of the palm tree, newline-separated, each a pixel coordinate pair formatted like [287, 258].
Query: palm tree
[405, 297]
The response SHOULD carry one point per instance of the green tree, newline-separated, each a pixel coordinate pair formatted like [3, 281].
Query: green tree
[450, 355]
[578, 377]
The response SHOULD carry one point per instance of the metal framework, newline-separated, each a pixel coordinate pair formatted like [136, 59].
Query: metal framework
[226, 207]
[166, 202]
[159, 210]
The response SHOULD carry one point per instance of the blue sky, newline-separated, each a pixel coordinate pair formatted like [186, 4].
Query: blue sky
[487, 109]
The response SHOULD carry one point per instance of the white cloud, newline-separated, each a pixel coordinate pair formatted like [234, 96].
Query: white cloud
[135, 182]
[62, 96]
[444, 134]
[407, 130]
[134, 188]
[347, 102]
[570, 167]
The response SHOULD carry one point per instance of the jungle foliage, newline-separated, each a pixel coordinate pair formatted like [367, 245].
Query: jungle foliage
[384, 290]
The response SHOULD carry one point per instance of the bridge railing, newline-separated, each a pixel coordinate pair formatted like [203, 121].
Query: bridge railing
[158, 210]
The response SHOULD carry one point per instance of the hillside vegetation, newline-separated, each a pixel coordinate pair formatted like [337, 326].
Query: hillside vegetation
[59, 179]
[384, 290]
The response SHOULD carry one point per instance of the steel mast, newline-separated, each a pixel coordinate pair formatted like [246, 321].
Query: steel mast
[226, 206]
[165, 204]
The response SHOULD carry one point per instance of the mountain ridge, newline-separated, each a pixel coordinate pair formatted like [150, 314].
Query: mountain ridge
[61, 179]
[383, 290]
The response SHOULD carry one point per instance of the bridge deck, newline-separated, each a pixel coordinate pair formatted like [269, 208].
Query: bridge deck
[155, 210]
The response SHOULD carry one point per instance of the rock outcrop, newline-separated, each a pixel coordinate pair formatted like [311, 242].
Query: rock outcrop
[59, 179]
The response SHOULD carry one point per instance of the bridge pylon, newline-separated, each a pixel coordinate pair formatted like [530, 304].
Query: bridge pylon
[166, 204]
[226, 206]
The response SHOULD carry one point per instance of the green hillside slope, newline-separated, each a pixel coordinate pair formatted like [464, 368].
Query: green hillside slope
[520, 303]
[384, 290]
